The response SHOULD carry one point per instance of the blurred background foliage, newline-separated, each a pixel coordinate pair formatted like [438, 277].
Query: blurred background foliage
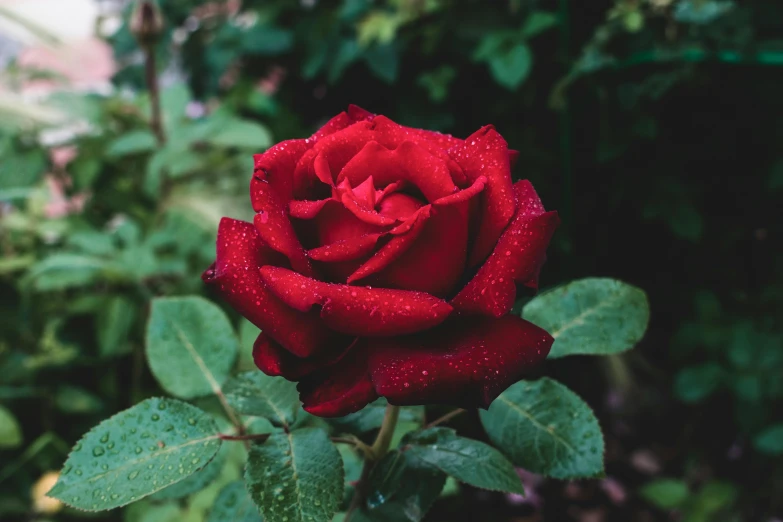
[654, 126]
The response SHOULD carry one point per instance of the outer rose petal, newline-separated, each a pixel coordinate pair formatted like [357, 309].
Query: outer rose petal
[353, 115]
[356, 310]
[274, 360]
[517, 258]
[276, 230]
[465, 364]
[485, 153]
[240, 253]
[274, 169]
[340, 389]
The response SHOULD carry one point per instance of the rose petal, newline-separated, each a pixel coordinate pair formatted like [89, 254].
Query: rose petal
[399, 206]
[353, 115]
[274, 169]
[306, 209]
[513, 156]
[274, 360]
[517, 258]
[391, 135]
[365, 193]
[485, 153]
[346, 249]
[358, 310]
[435, 262]
[463, 195]
[408, 162]
[404, 237]
[276, 230]
[356, 113]
[235, 276]
[337, 148]
[340, 389]
[464, 364]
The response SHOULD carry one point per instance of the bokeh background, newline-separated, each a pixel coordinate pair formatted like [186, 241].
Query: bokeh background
[655, 127]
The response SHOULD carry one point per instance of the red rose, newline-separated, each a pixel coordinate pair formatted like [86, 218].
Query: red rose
[383, 261]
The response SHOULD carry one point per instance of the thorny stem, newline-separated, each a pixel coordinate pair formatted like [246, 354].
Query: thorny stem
[151, 73]
[376, 452]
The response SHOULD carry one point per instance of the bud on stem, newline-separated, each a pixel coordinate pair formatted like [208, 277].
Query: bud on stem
[146, 22]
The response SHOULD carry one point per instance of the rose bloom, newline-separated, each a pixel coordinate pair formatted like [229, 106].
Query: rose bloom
[383, 262]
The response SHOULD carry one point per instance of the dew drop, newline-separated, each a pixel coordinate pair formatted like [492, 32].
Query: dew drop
[98, 451]
[132, 475]
[105, 438]
[192, 422]
[155, 417]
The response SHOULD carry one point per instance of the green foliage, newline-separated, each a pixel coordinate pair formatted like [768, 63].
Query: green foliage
[296, 477]
[191, 346]
[10, 431]
[234, 504]
[666, 493]
[591, 317]
[546, 428]
[401, 487]
[770, 440]
[700, 506]
[467, 460]
[253, 393]
[135, 453]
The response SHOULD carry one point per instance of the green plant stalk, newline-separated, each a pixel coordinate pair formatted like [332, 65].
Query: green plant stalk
[381, 445]
[377, 451]
[151, 74]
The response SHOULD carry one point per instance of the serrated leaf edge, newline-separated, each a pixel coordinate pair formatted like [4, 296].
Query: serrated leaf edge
[94, 428]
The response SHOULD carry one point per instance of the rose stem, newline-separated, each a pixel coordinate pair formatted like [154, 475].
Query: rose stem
[445, 418]
[378, 450]
[151, 74]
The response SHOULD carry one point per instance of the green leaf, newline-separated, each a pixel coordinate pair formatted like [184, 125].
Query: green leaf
[296, 477]
[197, 481]
[546, 428]
[665, 493]
[240, 134]
[383, 61]
[467, 460]
[593, 316]
[10, 432]
[696, 383]
[73, 400]
[512, 67]
[401, 487]
[492, 45]
[135, 453]
[113, 325]
[234, 504]
[135, 142]
[61, 271]
[770, 441]
[538, 22]
[254, 393]
[191, 346]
